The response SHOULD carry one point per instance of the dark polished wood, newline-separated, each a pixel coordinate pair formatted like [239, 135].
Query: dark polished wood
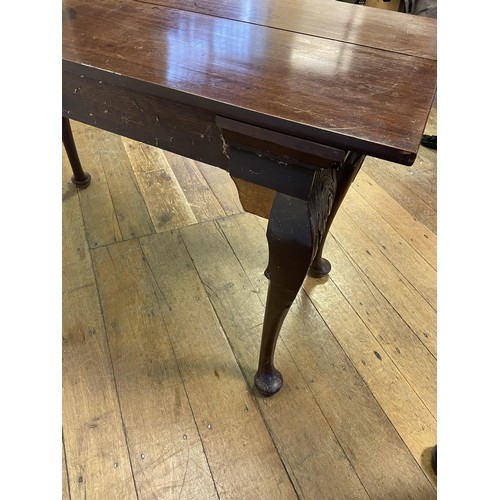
[337, 93]
[287, 96]
[327, 19]
[80, 178]
[349, 169]
[298, 221]
[295, 230]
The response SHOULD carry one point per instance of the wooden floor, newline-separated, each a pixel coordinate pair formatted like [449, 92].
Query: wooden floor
[163, 302]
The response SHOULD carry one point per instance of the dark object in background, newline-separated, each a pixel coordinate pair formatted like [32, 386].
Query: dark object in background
[434, 459]
[429, 141]
[427, 8]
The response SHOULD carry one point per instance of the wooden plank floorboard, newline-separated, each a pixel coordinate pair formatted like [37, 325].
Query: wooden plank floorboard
[414, 358]
[414, 187]
[419, 315]
[162, 317]
[64, 475]
[396, 338]
[165, 448]
[409, 415]
[128, 204]
[204, 204]
[418, 178]
[95, 444]
[101, 223]
[390, 177]
[418, 236]
[166, 202]
[329, 362]
[408, 262]
[304, 439]
[241, 454]
[223, 188]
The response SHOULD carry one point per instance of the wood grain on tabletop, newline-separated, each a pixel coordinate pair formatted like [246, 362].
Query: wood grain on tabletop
[332, 91]
[326, 19]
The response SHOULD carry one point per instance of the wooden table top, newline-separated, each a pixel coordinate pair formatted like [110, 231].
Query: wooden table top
[339, 74]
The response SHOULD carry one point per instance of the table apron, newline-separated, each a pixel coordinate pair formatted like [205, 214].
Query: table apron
[153, 120]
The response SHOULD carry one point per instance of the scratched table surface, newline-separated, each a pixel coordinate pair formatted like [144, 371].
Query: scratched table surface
[346, 76]
[193, 77]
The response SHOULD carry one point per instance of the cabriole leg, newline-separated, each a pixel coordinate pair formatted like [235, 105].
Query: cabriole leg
[80, 178]
[294, 231]
[347, 173]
